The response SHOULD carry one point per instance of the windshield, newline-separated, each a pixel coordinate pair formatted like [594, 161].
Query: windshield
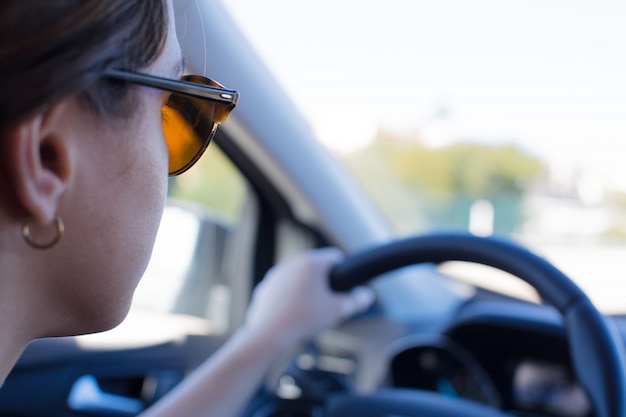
[488, 115]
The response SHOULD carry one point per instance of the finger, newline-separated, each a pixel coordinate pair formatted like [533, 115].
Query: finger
[330, 256]
[325, 259]
[358, 300]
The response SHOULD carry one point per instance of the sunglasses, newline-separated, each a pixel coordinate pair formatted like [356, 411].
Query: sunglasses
[190, 116]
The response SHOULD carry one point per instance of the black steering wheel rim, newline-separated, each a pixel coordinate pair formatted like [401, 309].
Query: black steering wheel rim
[597, 351]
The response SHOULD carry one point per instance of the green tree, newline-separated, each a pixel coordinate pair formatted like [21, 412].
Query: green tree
[444, 182]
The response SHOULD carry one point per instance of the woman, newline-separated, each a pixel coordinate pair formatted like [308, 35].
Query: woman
[86, 146]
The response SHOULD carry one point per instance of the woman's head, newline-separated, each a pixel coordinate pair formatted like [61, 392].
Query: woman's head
[78, 146]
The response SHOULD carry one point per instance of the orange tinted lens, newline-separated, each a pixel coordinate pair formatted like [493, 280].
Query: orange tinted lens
[189, 124]
[188, 127]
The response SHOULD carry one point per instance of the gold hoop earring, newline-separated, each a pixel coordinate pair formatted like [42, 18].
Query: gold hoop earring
[28, 238]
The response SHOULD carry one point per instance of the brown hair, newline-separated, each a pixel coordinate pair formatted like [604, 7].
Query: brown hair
[52, 49]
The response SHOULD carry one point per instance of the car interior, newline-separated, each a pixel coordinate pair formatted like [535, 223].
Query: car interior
[432, 345]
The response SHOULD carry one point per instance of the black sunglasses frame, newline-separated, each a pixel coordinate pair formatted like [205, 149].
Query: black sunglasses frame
[202, 91]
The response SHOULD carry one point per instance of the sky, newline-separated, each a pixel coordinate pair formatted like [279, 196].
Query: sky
[547, 75]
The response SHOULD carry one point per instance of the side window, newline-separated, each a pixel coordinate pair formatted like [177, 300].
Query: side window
[214, 182]
[190, 271]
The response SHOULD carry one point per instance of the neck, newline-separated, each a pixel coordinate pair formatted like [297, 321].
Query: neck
[22, 300]
[9, 354]
[16, 330]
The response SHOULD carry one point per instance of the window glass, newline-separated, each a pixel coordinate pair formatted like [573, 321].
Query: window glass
[210, 196]
[170, 261]
[495, 116]
[215, 182]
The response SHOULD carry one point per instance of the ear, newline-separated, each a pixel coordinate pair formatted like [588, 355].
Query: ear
[38, 159]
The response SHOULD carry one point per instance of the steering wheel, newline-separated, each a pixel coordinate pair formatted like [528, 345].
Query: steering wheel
[596, 349]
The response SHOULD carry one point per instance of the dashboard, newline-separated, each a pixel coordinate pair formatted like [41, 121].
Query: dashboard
[511, 356]
[519, 351]
[521, 372]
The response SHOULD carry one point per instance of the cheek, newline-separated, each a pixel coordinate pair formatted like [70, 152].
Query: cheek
[138, 187]
[139, 195]
[110, 232]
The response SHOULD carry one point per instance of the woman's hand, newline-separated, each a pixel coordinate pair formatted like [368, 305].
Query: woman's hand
[294, 300]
